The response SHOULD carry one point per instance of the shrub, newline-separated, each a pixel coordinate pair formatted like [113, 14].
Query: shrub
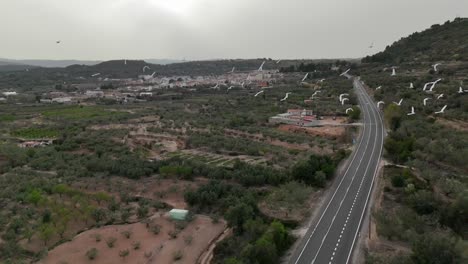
[178, 255]
[136, 245]
[127, 233]
[92, 253]
[96, 237]
[111, 242]
[124, 253]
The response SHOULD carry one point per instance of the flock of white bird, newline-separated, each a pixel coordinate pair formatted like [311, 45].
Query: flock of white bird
[428, 87]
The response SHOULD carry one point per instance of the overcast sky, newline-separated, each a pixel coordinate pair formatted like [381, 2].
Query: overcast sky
[206, 29]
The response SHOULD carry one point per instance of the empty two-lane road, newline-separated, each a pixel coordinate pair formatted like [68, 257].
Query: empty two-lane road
[331, 238]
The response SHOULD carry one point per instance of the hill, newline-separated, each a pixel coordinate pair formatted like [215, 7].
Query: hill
[438, 43]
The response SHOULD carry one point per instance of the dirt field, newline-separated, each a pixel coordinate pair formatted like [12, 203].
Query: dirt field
[332, 132]
[160, 248]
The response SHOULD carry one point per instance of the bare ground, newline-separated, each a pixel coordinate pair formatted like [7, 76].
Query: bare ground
[191, 242]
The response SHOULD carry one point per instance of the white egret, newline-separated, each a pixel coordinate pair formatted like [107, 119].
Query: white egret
[230, 87]
[285, 97]
[349, 109]
[341, 96]
[258, 93]
[305, 77]
[399, 103]
[440, 96]
[96, 74]
[146, 67]
[425, 101]
[435, 66]
[460, 90]
[411, 86]
[412, 111]
[261, 66]
[379, 103]
[344, 73]
[344, 100]
[393, 72]
[278, 61]
[321, 80]
[316, 92]
[378, 88]
[441, 110]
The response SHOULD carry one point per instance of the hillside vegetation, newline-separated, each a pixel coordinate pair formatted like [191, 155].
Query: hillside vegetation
[421, 213]
[438, 43]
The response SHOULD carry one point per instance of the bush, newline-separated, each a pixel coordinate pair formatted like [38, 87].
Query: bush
[92, 253]
[111, 242]
[178, 255]
[126, 233]
[136, 245]
[398, 181]
[124, 253]
[96, 237]
[436, 248]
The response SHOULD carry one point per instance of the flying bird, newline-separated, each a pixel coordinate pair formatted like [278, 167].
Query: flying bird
[344, 99]
[341, 96]
[399, 103]
[441, 110]
[349, 109]
[285, 97]
[379, 103]
[345, 72]
[259, 93]
[440, 96]
[146, 67]
[316, 92]
[58, 41]
[261, 66]
[435, 66]
[96, 74]
[425, 101]
[431, 83]
[371, 45]
[412, 111]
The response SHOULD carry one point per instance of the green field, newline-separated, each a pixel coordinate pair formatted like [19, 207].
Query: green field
[80, 112]
[33, 133]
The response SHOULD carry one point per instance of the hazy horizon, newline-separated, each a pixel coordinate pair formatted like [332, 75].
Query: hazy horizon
[208, 29]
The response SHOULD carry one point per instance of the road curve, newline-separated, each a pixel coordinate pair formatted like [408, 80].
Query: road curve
[332, 237]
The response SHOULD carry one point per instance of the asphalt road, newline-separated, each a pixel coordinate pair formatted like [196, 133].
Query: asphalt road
[333, 235]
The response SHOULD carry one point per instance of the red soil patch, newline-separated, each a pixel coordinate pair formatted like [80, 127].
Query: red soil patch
[154, 248]
[332, 132]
